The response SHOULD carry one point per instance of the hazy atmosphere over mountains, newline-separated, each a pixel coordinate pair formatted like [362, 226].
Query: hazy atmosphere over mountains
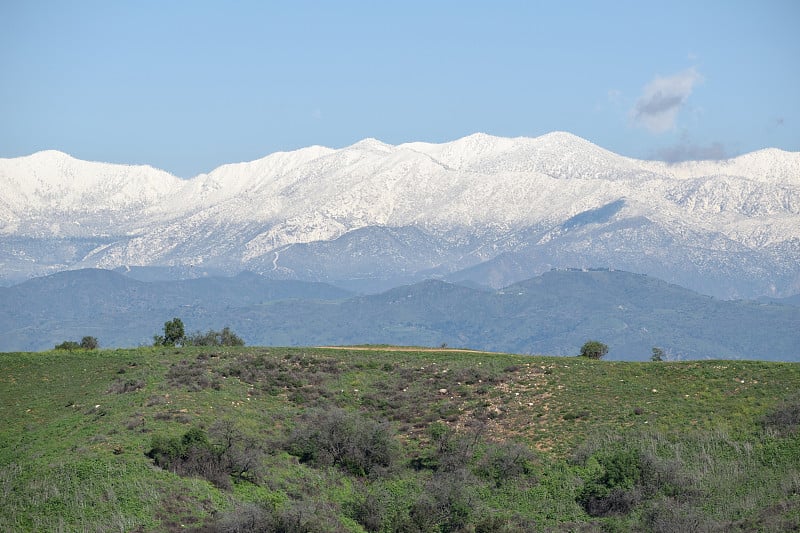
[486, 210]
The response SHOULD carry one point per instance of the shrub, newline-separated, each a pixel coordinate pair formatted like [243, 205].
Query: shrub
[334, 436]
[371, 509]
[671, 516]
[594, 350]
[784, 419]
[576, 415]
[122, 386]
[473, 375]
[68, 345]
[448, 450]
[247, 517]
[597, 501]
[614, 490]
[226, 337]
[505, 462]
[194, 375]
[300, 516]
[240, 455]
[447, 503]
[308, 516]
[625, 473]
[89, 343]
[193, 454]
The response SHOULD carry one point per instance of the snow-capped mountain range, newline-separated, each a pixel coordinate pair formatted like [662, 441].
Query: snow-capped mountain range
[483, 209]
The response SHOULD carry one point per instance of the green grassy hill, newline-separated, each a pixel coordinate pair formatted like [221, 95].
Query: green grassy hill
[276, 439]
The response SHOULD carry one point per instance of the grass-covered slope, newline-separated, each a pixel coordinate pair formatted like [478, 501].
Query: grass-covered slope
[257, 439]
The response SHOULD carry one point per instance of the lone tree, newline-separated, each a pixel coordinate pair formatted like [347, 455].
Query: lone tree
[174, 334]
[658, 354]
[89, 343]
[594, 350]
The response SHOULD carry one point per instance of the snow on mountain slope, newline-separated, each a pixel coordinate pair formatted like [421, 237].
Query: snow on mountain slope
[54, 194]
[492, 194]
[558, 154]
[766, 166]
[55, 180]
[245, 178]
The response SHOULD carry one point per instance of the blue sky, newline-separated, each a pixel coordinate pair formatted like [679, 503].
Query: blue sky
[189, 85]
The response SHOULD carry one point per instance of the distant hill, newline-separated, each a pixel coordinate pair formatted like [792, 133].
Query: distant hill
[554, 313]
[122, 311]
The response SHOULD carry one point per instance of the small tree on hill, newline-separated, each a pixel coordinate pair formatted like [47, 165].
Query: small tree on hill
[658, 354]
[594, 350]
[229, 338]
[174, 334]
[89, 343]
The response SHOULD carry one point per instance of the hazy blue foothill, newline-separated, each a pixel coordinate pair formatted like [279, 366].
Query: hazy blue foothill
[554, 313]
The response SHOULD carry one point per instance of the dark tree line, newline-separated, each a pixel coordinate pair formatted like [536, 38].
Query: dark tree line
[175, 335]
[87, 343]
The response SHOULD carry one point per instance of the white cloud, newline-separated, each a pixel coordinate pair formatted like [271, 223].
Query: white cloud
[662, 99]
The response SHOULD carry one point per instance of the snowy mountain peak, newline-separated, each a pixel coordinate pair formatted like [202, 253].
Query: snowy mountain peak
[48, 155]
[415, 207]
[371, 145]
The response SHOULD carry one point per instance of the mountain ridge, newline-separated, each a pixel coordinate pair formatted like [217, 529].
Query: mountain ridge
[554, 313]
[475, 199]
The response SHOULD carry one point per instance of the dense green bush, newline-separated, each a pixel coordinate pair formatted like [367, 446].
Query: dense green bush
[189, 455]
[174, 334]
[614, 489]
[89, 343]
[193, 454]
[68, 345]
[594, 350]
[226, 337]
[448, 450]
